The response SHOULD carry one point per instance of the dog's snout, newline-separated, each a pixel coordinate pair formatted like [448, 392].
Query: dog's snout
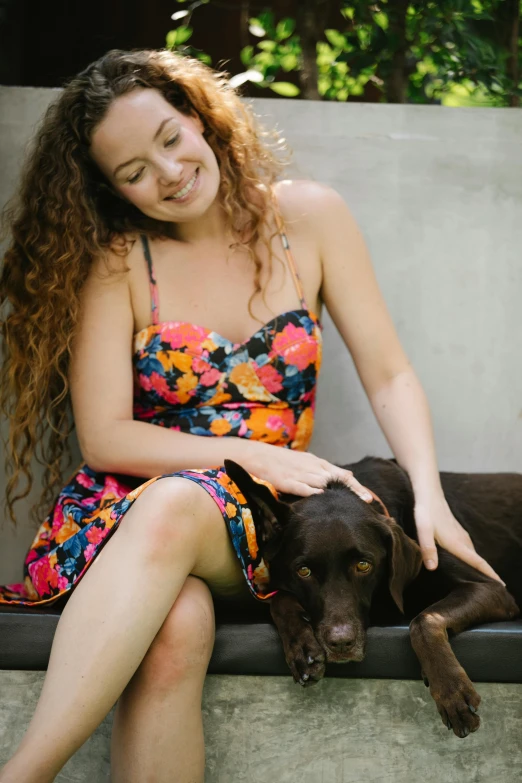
[340, 637]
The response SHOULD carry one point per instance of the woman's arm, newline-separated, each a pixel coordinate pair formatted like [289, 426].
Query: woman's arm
[353, 299]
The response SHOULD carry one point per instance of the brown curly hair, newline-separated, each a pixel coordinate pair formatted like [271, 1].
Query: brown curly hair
[65, 215]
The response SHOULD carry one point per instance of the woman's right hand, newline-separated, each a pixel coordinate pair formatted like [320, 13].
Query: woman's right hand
[295, 472]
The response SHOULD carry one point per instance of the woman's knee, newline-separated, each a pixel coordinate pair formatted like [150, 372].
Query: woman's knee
[172, 512]
[182, 647]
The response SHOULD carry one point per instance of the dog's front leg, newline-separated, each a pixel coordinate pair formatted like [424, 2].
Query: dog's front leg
[468, 604]
[304, 655]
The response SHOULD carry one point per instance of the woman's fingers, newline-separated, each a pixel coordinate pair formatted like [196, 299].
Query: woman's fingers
[300, 489]
[430, 557]
[348, 478]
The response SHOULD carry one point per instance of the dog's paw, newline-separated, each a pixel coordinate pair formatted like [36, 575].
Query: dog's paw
[305, 658]
[457, 702]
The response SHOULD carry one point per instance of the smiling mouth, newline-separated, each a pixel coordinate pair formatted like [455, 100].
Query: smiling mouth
[185, 190]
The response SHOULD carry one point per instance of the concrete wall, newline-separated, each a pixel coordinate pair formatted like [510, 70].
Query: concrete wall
[438, 195]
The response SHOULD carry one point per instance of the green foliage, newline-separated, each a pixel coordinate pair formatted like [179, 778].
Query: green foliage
[279, 50]
[177, 39]
[442, 51]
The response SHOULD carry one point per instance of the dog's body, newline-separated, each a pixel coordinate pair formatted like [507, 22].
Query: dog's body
[337, 562]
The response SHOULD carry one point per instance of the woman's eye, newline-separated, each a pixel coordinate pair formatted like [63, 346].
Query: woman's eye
[135, 178]
[363, 566]
[304, 572]
[172, 141]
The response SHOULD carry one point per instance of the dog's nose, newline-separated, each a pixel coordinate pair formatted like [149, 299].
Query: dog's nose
[340, 636]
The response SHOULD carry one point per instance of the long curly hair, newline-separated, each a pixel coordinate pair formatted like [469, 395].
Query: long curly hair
[65, 215]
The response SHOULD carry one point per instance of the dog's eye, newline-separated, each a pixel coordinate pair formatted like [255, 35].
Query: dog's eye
[304, 572]
[363, 566]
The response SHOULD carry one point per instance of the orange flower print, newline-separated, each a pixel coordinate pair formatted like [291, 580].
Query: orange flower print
[262, 576]
[245, 378]
[208, 345]
[270, 378]
[67, 529]
[218, 398]
[250, 531]
[304, 430]
[220, 426]
[169, 359]
[271, 426]
[230, 486]
[143, 337]
[231, 510]
[295, 346]
[186, 384]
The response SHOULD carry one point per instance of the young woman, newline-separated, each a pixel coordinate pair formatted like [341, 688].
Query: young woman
[165, 283]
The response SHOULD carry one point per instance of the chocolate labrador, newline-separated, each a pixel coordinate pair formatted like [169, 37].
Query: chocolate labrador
[336, 561]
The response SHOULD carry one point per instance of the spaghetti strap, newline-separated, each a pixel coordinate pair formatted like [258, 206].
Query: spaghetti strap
[154, 298]
[290, 258]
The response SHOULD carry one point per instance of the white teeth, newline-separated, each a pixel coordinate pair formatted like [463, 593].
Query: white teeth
[188, 187]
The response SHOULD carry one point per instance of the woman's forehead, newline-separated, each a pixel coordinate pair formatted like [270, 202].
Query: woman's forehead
[131, 124]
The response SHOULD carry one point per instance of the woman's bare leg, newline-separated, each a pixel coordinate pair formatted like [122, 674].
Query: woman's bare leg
[157, 733]
[173, 529]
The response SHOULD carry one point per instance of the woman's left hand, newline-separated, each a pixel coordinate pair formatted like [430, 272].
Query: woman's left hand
[436, 523]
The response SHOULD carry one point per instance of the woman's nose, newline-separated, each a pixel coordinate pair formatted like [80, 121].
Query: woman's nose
[170, 171]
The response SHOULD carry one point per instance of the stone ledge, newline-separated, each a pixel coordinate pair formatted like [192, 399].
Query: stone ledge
[342, 731]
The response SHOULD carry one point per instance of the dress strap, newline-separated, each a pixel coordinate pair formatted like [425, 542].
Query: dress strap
[290, 258]
[154, 298]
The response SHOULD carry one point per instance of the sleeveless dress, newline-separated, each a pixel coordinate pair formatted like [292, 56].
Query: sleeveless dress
[191, 379]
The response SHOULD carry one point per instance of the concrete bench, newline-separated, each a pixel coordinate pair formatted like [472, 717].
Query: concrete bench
[438, 195]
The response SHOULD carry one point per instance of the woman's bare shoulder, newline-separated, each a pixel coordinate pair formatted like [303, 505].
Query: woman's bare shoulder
[304, 199]
[112, 265]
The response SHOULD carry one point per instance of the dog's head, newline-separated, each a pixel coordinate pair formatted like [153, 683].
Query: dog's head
[331, 550]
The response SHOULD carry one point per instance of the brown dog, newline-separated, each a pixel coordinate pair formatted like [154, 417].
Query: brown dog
[336, 560]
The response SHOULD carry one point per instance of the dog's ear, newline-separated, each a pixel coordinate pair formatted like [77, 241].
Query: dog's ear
[269, 514]
[404, 558]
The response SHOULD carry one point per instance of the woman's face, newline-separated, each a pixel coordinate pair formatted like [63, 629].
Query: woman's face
[156, 157]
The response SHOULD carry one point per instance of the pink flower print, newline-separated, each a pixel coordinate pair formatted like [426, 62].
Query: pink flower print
[200, 365]
[95, 535]
[274, 423]
[270, 378]
[32, 555]
[43, 577]
[145, 382]
[63, 583]
[114, 487]
[84, 480]
[210, 378]
[295, 346]
[89, 552]
[159, 384]
[183, 335]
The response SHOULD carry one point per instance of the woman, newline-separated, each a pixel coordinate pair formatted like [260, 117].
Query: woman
[149, 175]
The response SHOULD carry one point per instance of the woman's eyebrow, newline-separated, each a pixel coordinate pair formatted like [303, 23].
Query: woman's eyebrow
[128, 162]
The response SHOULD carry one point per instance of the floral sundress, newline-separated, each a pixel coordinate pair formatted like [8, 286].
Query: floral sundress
[191, 379]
